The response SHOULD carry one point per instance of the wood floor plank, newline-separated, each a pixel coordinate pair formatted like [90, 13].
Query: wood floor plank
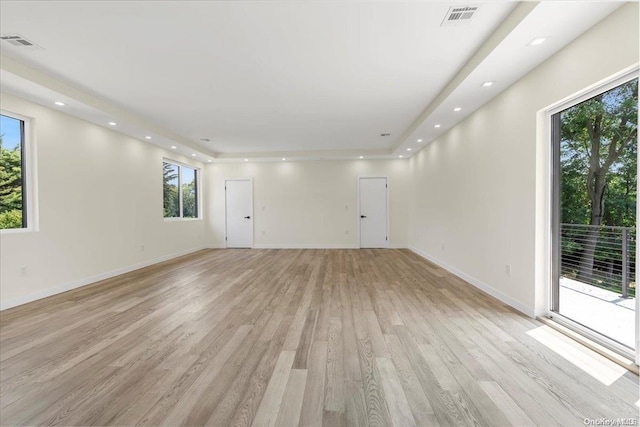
[296, 337]
[306, 339]
[127, 415]
[187, 408]
[351, 363]
[377, 412]
[289, 413]
[246, 408]
[420, 407]
[334, 385]
[234, 392]
[397, 402]
[509, 408]
[355, 413]
[313, 401]
[324, 315]
[267, 412]
[378, 342]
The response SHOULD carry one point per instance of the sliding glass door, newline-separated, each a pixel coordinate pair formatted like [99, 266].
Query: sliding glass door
[595, 172]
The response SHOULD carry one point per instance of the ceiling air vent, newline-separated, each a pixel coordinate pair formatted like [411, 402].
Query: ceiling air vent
[459, 14]
[18, 40]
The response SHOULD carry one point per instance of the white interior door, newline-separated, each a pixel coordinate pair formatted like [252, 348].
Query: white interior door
[239, 213]
[373, 212]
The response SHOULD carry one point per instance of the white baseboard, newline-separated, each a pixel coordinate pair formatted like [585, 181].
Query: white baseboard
[216, 246]
[14, 302]
[304, 246]
[320, 246]
[392, 246]
[478, 284]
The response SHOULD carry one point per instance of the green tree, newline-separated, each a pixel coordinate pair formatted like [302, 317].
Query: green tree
[621, 191]
[11, 219]
[10, 187]
[598, 151]
[189, 203]
[171, 196]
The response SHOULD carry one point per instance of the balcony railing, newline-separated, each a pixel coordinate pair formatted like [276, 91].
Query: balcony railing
[601, 256]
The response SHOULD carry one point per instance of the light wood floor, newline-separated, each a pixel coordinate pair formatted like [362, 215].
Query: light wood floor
[296, 337]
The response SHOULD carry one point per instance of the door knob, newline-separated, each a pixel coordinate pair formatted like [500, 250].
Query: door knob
[247, 217]
[363, 216]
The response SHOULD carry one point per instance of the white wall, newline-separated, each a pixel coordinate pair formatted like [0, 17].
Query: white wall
[100, 199]
[308, 203]
[479, 190]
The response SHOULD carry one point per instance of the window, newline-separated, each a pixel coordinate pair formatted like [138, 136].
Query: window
[13, 206]
[180, 191]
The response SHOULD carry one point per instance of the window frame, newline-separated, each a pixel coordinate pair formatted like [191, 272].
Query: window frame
[29, 176]
[198, 178]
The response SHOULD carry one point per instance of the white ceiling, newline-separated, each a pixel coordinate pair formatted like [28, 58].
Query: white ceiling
[558, 22]
[266, 78]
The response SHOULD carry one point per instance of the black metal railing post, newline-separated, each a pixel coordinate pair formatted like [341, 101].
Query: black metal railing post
[625, 262]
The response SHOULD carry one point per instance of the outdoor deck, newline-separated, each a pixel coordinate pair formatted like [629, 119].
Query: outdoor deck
[603, 311]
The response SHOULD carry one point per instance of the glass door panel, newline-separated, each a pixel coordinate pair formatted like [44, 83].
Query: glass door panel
[594, 218]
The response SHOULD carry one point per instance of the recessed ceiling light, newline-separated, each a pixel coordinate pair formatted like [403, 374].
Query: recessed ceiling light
[408, 149]
[205, 139]
[173, 146]
[209, 160]
[147, 137]
[112, 123]
[193, 154]
[246, 160]
[419, 140]
[537, 41]
[457, 109]
[362, 157]
[487, 84]
[59, 103]
[284, 158]
[401, 156]
[436, 126]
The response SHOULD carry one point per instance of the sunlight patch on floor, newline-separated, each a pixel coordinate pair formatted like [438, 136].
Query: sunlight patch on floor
[590, 362]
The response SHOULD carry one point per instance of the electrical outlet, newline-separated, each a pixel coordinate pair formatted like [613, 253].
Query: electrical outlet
[263, 232]
[23, 271]
[443, 246]
[507, 269]
[346, 231]
[141, 248]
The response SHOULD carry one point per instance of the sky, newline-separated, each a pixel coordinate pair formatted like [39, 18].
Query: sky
[10, 131]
